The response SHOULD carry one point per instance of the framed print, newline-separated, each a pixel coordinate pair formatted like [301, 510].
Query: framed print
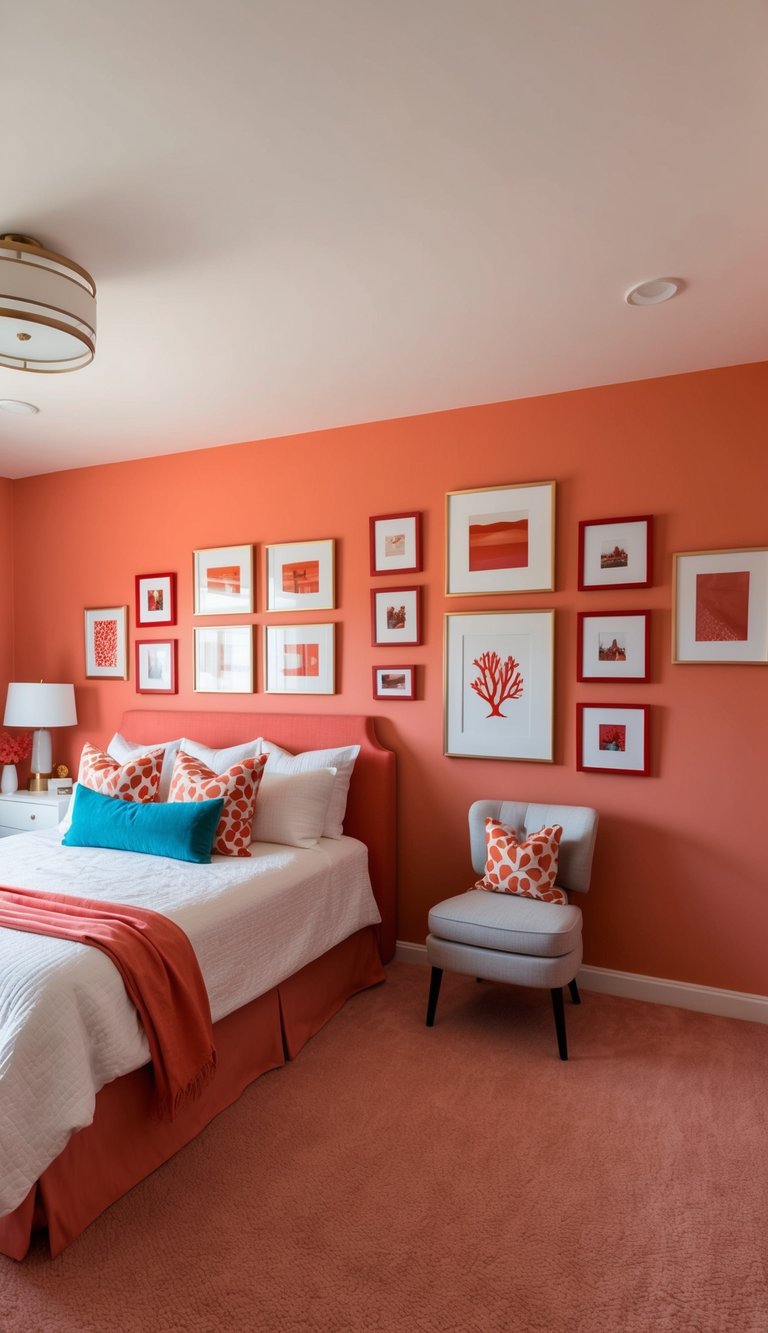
[223, 578]
[613, 646]
[498, 685]
[156, 663]
[300, 659]
[155, 599]
[721, 606]
[106, 643]
[615, 553]
[394, 682]
[395, 544]
[501, 539]
[300, 576]
[612, 739]
[395, 616]
[223, 659]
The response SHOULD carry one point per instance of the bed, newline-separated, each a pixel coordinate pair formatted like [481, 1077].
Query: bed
[126, 1140]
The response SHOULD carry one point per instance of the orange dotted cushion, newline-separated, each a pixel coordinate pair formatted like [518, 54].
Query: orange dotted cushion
[136, 780]
[193, 780]
[526, 868]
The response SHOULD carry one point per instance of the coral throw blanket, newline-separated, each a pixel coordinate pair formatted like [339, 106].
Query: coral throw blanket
[159, 969]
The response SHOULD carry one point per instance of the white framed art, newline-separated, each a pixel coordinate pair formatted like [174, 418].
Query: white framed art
[721, 606]
[499, 685]
[501, 539]
[299, 659]
[223, 581]
[300, 576]
[223, 659]
[106, 643]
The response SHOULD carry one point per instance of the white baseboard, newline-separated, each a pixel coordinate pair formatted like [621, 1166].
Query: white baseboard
[654, 990]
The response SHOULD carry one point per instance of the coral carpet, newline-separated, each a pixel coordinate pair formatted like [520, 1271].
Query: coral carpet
[454, 1180]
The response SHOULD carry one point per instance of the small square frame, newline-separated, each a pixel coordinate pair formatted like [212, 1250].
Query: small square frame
[155, 599]
[223, 659]
[613, 738]
[310, 567]
[500, 539]
[299, 659]
[157, 666]
[613, 645]
[616, 553]
[394, 682]
[106, 642]
[395, 541]
[392, 623]
[223, 581]
[720, 606]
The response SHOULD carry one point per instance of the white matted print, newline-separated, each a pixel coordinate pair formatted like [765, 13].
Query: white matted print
[299, 659]
[300, 576]
[394, 682]
[613, 646]
[223, 577]
[501, 539]
[106, 643]
[612, 739]
[155, 599]
[224, 659]
[615, 552]
[396, 616]
[156, 666]
[395, 543]
[721, 606]
[499, 685]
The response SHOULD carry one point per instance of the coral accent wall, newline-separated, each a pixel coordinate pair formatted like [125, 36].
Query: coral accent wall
[680, 887]
[6, 588]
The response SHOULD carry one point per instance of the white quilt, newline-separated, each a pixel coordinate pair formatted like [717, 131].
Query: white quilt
[67, 1026]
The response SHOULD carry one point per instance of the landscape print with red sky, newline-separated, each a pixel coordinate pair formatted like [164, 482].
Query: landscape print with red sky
[498, 541]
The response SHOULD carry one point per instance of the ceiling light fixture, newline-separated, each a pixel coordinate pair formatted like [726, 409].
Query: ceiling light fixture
[18, 408]
[47, 308]
[654, 292]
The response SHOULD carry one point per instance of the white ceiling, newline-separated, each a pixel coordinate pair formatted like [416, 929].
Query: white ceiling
[310, 213]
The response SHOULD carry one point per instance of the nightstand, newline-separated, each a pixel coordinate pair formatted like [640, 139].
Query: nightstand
[25, 811]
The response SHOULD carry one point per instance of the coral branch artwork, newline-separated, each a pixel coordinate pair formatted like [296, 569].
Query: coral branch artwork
[498, 681]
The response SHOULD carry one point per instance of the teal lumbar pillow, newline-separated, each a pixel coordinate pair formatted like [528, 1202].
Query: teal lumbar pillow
[183, 830]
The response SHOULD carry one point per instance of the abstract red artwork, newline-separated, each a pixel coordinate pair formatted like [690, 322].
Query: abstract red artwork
[498, 681]
[301, 576]
[105, 643]
[301, 659]
[722, 607]
[498, 544]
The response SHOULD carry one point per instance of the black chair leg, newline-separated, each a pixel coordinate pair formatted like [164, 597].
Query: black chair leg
[434, 991]
[559, 1011]
[573, 988]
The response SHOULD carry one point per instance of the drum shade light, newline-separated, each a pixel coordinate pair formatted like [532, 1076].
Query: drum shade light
[47, 308]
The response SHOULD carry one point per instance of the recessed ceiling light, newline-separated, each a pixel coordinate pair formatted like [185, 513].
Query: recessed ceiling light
[19, 409]
[654, 292]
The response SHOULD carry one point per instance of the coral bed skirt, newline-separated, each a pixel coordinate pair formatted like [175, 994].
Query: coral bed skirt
[126, 1140]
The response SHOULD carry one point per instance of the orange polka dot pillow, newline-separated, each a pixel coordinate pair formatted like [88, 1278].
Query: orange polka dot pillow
[193, 780]
[525, 868]
[136, 780]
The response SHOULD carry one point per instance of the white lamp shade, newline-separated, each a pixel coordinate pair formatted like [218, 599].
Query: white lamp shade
[38, 704]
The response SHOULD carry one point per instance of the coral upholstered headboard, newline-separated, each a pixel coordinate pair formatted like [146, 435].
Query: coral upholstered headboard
[372, 807]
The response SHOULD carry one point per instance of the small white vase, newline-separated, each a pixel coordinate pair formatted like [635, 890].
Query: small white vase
[9, 782]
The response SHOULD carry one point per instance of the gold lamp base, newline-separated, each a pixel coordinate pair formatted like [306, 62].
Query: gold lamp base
[39, 781]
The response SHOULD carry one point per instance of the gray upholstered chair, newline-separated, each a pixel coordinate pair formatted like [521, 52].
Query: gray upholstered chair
[502, 937]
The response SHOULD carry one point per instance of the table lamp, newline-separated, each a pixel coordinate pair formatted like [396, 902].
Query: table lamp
[39, 705]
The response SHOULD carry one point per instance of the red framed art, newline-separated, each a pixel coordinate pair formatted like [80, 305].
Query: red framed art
[395, 541]
[155, 599]
[157, 666]
[395, 616]
[394, 682]
[613, 739]
[615, 553]
[613, 646]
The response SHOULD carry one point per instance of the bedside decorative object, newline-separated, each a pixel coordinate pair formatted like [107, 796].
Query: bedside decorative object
[12, 750]
[40, 705]
[60, 786]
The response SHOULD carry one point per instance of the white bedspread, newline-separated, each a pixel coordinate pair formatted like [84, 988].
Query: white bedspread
[67, 1026]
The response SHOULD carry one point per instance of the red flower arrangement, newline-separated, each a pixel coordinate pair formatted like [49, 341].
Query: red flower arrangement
[14, 748]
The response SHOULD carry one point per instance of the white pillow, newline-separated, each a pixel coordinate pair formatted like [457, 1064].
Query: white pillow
[343, 760]
[123, 750]
[220, 760]
[291, 807]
